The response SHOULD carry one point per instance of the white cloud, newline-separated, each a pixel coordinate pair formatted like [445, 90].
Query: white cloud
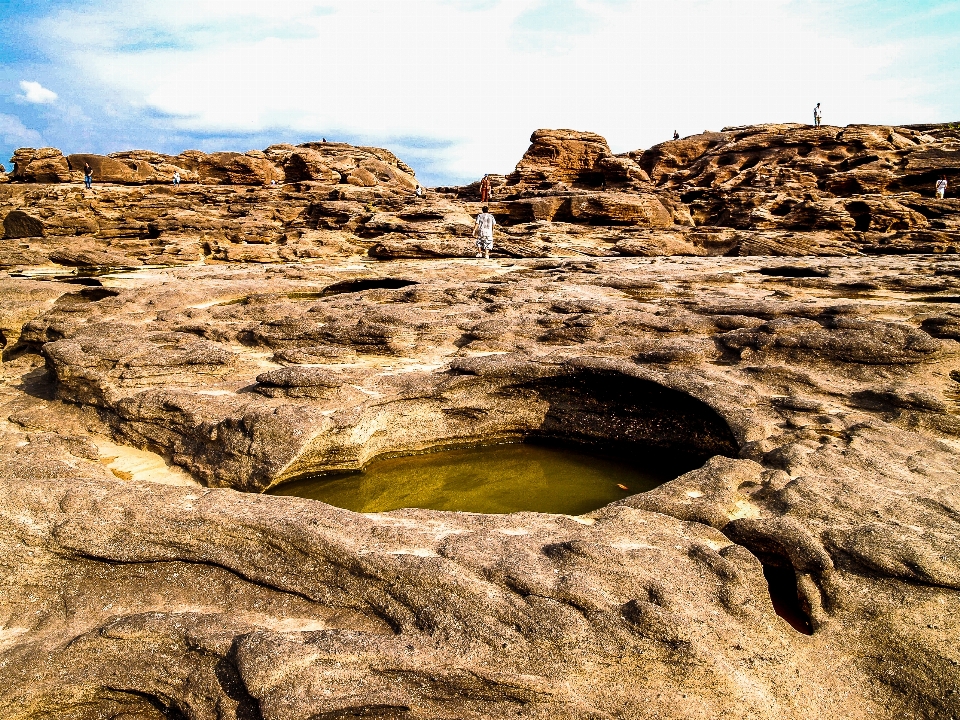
[34, 92]
[14, 133]
[477, 77]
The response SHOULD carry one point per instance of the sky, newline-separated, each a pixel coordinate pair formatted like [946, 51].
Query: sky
[456, 87]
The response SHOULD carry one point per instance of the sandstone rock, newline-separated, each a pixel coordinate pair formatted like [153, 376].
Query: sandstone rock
[849, 341]
[560, 156]
[227, 168]
[92, 258]
[815, 396]
[675, 154]
[615, 208]
[209, 601]
[18, 224]
[46, 165]
[112, 170]
[362, 178]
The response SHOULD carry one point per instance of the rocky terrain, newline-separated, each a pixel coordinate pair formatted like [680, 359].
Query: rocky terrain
[331, 318]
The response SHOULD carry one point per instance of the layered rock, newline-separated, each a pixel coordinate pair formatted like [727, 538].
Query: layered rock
[327, 163]
[823, 394]
[758, 190]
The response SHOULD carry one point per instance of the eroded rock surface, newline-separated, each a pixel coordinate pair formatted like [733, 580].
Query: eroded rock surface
[830, 413]
[143, 412]
[759, 190]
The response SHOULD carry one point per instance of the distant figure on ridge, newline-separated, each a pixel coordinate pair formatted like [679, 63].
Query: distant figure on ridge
[176, 179]
[817, 114]
[483, 231]
[87, 176]
[676, 135]
[485, 190]
[323, 139]
[419, 192]
[941, 187]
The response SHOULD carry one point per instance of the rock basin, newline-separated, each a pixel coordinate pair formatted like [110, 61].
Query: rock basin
[501, 478]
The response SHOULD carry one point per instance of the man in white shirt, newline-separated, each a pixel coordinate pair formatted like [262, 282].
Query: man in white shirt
[817, 113]
[941, 187]
[483, 231]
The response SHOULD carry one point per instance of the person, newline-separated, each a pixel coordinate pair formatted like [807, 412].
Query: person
[817, 114]
[87, 176]
[323, 139]
[419, 191]
[483, 231]
[941, 187]
[676, 135]
[485, 189]
[176, 178]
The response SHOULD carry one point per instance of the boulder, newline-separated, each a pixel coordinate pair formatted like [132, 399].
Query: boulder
[388, 174]
[561, 156]
[46, 165]
[18, 224]
[673, 154]
[92, 258]
[306, 164]
[231, 168]
[112, 170]
[362, 178]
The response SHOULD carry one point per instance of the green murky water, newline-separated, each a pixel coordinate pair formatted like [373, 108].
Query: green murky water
[491, 479]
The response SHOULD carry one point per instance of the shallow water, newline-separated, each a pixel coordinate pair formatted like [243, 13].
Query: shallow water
[492, 479]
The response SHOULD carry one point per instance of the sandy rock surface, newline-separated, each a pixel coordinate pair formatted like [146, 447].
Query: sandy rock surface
[760, 190]
[318, 325]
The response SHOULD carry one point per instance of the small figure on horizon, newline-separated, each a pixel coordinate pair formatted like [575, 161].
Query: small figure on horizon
[941, 187]
[483, 231]
[323, 139]
[485, 189]
[817, 114]
[176, 179]
[676, 135]
[88, 176]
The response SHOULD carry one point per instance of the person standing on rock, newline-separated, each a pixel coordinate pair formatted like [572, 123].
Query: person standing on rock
[817, 114]
[87, 176]
[676, 135]
[485, 189]
[176, 179]
[941, 187]
[483, 231]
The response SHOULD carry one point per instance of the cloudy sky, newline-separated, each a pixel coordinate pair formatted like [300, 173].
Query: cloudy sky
[455, 87]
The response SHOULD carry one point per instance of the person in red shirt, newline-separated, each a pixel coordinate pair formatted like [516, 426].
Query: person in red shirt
[485, 189]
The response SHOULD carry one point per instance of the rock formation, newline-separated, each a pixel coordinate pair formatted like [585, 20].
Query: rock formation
[146, 410]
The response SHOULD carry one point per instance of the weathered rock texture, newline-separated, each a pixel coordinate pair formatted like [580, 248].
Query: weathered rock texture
[142, 413]
[759, 190]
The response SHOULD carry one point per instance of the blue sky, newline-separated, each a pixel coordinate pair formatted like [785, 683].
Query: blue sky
[455, 87]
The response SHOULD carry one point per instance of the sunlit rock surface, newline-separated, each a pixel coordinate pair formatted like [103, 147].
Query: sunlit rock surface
[143, 411]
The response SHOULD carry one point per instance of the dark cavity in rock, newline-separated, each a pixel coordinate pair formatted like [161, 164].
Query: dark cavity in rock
[793, 271]
[782, 583]
[938, 299]
[614, 410]
[351, 286]
[86, 295]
